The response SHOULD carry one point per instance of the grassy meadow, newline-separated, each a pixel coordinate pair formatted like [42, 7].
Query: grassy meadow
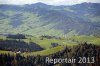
[48, 49]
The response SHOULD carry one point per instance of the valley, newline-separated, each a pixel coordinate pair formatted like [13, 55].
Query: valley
[29, 33]
[48, 44]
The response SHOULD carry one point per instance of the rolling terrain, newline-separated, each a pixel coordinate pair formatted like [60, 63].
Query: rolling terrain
[30, 33]
[41, 19]
[50, 27]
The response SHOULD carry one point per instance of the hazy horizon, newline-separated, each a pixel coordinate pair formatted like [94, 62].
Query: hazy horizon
[49, 2]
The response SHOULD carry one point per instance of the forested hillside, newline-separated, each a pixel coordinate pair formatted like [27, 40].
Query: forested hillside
[41, 19]
[83, 50]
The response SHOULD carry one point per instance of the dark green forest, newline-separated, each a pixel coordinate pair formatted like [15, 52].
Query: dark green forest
[16, 50]
[82, 50]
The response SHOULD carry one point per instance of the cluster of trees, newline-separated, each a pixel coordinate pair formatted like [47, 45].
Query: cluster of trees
[17, 45]
[54, 44]
[16, 36]
[82, 50]
[49, 37]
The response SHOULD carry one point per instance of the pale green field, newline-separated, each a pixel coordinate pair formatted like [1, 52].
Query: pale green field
[88, 39]
[46, 43]
[45, 52]
[7, 52]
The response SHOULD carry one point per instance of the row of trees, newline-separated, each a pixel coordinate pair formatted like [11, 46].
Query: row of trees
[16, 36]
[49, 37]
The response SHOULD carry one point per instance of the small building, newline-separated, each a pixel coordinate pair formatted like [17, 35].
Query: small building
[19, 52]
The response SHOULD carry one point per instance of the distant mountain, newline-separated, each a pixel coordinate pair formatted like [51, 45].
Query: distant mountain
[42, 19]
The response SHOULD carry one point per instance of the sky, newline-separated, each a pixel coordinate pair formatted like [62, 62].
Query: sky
[50, 2]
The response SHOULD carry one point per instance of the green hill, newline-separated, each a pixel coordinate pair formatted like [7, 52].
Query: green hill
[41, 19]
